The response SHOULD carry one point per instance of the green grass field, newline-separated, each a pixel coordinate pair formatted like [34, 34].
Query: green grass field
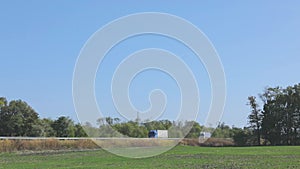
[178, 157]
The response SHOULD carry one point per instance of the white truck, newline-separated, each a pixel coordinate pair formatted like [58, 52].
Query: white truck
[158, 134]
[204, 135]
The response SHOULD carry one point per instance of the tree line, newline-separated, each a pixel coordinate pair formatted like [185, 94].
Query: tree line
[112, 127]
[278, 122]
[17, 118]
[273, 120]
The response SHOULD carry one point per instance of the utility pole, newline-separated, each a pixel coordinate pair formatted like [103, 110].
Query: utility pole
[138, 120]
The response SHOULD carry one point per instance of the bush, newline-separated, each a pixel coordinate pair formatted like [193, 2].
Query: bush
[45, 144]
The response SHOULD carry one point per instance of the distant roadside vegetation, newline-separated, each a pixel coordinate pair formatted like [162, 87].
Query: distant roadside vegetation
[275, 122]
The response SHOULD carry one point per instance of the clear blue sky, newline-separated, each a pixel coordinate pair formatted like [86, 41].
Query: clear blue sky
[258, 43]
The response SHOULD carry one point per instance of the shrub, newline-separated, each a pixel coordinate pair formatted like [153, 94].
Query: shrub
[7, 145]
